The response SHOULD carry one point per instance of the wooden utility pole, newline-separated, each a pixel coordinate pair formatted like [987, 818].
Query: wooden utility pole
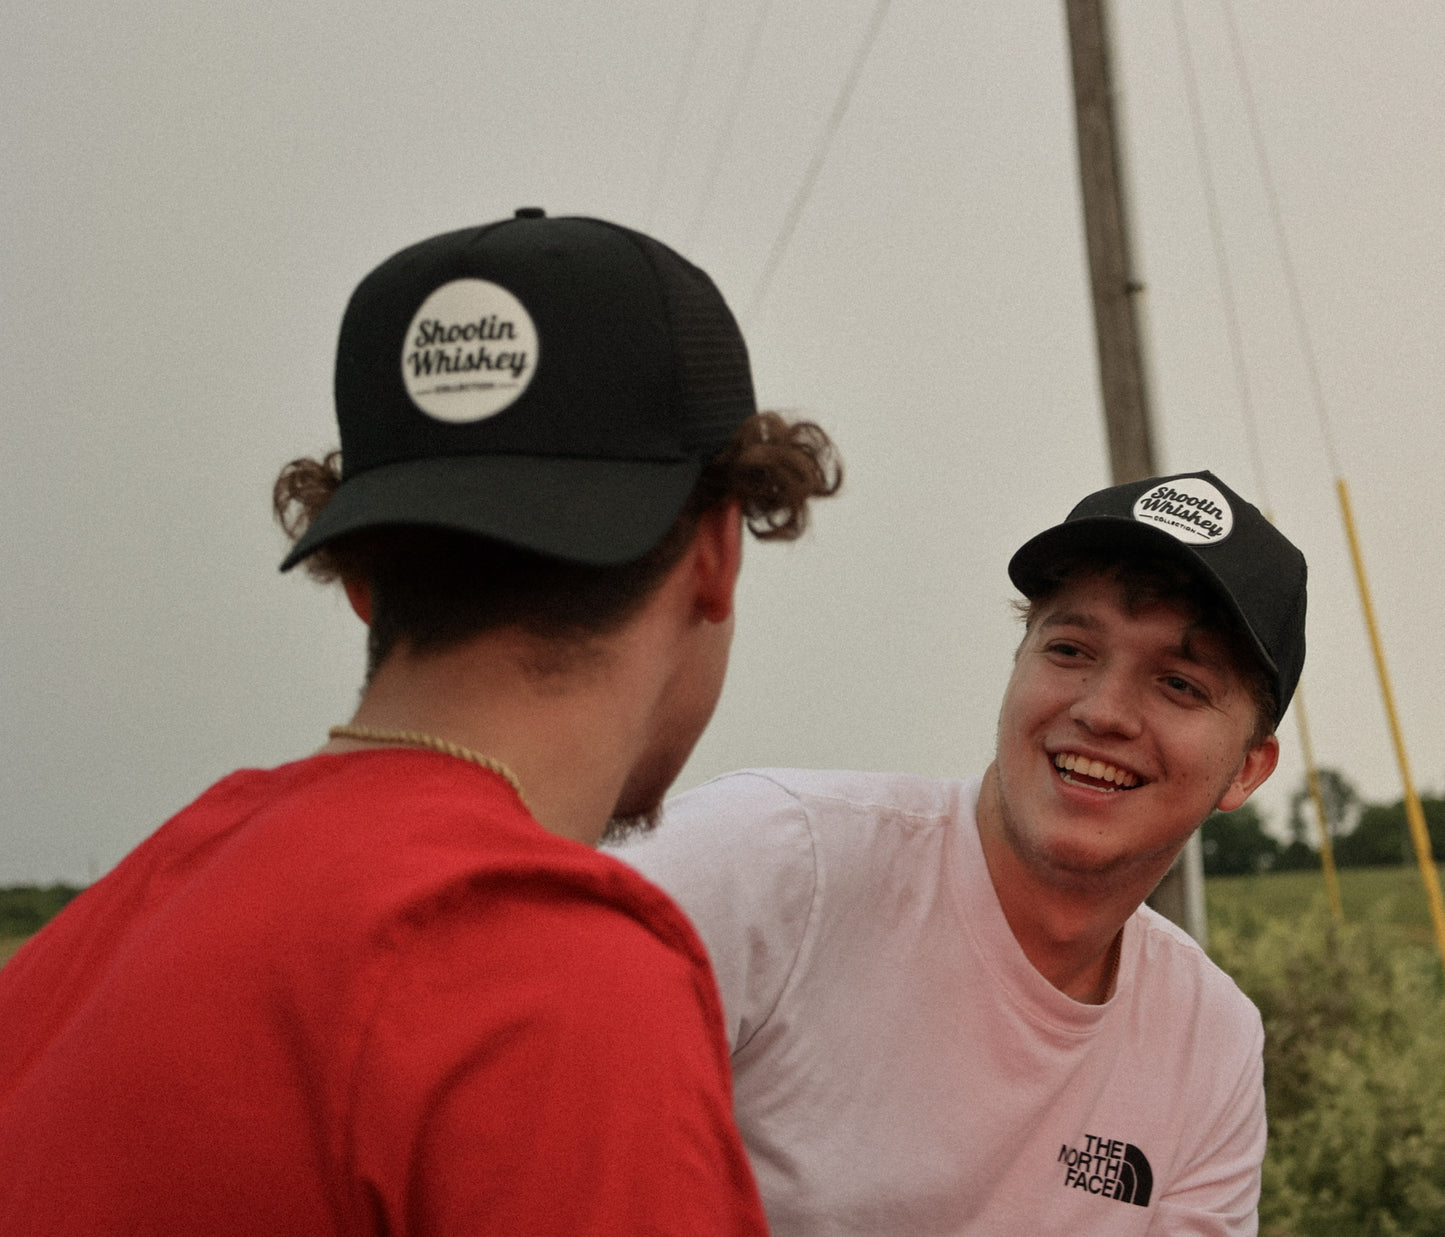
[1116, 327]
[1180, 895]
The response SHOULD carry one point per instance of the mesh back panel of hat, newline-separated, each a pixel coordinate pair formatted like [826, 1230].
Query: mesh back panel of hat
[716, 389]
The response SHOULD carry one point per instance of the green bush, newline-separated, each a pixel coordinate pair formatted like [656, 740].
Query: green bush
[1354, 1075]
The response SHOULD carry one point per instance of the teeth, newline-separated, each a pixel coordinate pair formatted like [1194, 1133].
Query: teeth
[1067, 762]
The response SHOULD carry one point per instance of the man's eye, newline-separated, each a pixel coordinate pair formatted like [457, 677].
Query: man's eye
[1175, 683]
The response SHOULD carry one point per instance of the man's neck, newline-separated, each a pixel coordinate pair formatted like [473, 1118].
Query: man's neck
[567, 732]
[1069, 931]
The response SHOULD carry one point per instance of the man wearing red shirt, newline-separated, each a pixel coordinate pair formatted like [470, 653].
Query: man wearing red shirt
[392, 987]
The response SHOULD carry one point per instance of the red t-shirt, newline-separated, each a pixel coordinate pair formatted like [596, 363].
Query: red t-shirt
[366, 994]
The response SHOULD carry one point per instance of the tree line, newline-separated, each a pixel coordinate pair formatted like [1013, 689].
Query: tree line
[1361, 834]
[25, 909]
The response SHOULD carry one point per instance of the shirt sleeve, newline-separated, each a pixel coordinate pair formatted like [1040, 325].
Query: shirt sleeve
[1217, 1194]
[543, 1063]
[738, 856]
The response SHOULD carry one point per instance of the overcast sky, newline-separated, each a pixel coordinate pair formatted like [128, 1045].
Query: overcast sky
[191, 189]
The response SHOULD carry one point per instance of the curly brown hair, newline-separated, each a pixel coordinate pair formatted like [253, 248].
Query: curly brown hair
[432, 588]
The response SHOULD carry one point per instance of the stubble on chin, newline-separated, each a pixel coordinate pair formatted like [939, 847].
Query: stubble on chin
[1054, 862]
[1079, 867]
[622, 828]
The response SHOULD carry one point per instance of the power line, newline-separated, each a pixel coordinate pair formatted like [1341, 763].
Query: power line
[674, 119]
[1221, 256]
[1281, 240]
[725, 138]
[820, 154]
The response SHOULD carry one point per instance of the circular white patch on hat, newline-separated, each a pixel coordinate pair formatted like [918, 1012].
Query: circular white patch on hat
[470, 351]
[1188, 508]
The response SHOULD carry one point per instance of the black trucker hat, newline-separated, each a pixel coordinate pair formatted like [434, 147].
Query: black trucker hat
[1249, 564]
[555, 384]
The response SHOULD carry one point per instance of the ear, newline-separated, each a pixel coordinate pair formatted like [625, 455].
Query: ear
[358, 593]
[1258, 764]
[717, 553]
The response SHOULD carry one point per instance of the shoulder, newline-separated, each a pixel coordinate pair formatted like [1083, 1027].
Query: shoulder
[762, 820]
[906, 792]
[753, 799]
[560, 940]
[1175, 974]
[560, 898]
[766, 861]
[761, 828]
[418, 859]
[586, 978]
[582, 925]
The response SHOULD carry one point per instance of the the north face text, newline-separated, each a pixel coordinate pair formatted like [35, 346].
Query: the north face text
[1110, 1168]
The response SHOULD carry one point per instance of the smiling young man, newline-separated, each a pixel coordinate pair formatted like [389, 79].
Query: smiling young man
[949, 1010]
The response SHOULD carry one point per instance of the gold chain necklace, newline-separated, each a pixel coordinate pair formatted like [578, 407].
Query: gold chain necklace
[415, 738]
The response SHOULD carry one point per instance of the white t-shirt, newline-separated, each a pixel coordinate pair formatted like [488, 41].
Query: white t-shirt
[899, 1065]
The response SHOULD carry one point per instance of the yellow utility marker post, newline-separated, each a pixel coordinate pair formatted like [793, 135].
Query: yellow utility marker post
[1414, 813]
[1327, 847]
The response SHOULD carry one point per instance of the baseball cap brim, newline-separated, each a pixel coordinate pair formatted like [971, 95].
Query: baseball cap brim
[599, 512]
[1029, 568]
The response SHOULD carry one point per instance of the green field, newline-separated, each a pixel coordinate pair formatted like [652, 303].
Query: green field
[1391, 899]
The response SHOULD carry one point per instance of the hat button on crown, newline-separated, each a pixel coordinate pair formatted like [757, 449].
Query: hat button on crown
[531, 212]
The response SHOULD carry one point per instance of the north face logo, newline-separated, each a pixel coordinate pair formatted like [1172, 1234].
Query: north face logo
[1109, 1168]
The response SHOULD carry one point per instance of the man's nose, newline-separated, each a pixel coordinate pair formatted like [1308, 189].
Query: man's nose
[1108, 703]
